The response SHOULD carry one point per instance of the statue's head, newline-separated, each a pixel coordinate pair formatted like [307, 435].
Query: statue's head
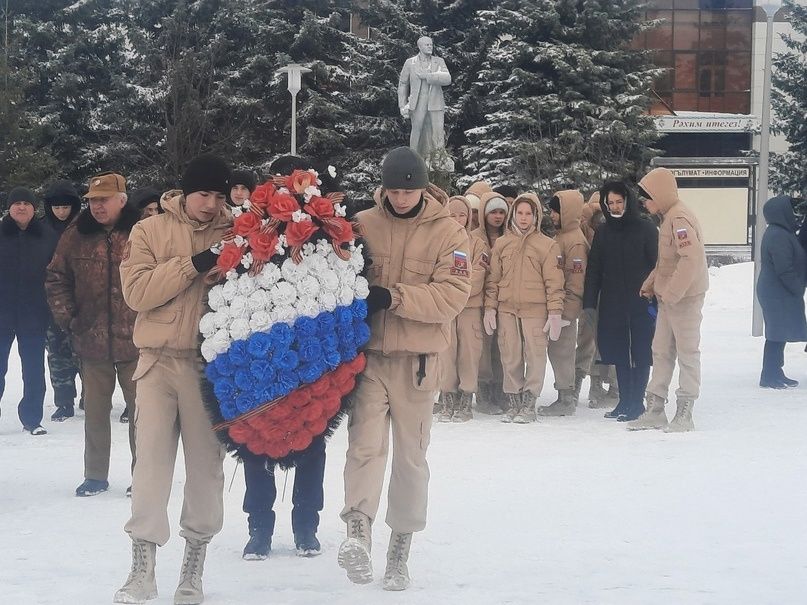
[425, 45]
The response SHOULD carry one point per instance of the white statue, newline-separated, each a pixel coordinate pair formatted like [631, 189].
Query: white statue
[420, 98]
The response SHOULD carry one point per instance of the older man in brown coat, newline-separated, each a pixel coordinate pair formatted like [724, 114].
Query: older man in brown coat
[85, 296]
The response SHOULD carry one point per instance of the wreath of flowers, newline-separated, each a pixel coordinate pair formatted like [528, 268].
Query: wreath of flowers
[286, 319]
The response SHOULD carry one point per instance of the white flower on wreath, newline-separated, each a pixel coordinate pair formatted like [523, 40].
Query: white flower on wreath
[340, 210]
[312, 191]
[209, 351]
[236, 211]
[260, 321]
[283, 293]
[332, 171]
[268, 276]
[221, 318]
[345, 296]
[361, 288]
[308, 307]
[316, 263]
[308, 287]
[259, 300]
[282, 244]
[308, 249]
[239, 241]
[239, 308]
[329, 280]
[229, 290]
[328, 301]
[220, 341]
[247, 260]
[356, 259]
[284, 313]
[207, 325]
[299, 216]
[347, 279]
[323, 248]
[246, 284]
[215, 299]
[292, 272]
[239, 329]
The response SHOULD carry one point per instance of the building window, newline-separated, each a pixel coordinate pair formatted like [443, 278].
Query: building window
[706, 45]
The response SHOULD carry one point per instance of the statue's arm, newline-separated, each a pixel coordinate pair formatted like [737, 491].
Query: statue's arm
[441, 77]
[403, 86]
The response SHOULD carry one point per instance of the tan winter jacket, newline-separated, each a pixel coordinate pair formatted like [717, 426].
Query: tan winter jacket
[524, 277]
[590, 216]
[160, 282]
[481, 231]
[681, 267]
[574, 251]
[478, 263]
[425, 264]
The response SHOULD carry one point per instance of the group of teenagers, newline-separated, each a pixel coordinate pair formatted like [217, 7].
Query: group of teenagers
[602, 289]
[467, 298]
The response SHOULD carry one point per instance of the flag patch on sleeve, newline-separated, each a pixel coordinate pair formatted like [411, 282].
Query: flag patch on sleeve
[577, 265]
[683, 238]
[560, 261]
[460, 264]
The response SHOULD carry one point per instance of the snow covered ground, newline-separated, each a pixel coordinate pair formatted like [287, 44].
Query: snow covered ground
[568, 510]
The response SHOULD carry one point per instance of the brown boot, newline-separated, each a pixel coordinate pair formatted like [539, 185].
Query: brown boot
[449, 407]
[526, 413]
[514, 405]
[464, 411]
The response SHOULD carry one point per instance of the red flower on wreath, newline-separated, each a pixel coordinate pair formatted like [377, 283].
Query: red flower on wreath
[246, 224]
[262, 195]
[282, 206]
[339, 229]
[300, 180]
[229, 258]
[262, 245]
[299, 233]
[320, 207]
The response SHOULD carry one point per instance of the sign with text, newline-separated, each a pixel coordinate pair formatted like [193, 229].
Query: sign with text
[711, 173]
[707, 124]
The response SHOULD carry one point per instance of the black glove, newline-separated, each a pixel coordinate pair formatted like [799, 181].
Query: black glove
[378, 298]
[204, 261]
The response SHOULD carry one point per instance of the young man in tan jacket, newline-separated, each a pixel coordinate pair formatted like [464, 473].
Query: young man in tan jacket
[419, 282]
[490, 397]
[679, 282]
[565, 209]
[524, 300]
[163, 276]
[460, 361]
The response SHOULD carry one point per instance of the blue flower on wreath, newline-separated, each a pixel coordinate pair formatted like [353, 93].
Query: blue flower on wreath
[310, 350]
[211, 372]
[228, 410]
[348, 352]
[287, 361]
[224, 366]
[344, 316]
[311, 372]
[238, 353]
[288, 381]
[282, 336]
[332, 359]
[244, 402]
[361, 333]
[259, 345]
[359, 309]
[263, 370]
[244, 379]
[329, 342]
[224, 389]
[326, 323]
[306, 327]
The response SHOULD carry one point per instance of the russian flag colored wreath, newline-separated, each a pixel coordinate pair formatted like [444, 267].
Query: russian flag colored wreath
[287, 320]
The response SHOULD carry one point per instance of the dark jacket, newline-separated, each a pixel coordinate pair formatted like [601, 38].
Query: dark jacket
[782, 275]
[61, 193]
[84, 289]
[24, 256]
[623, 254]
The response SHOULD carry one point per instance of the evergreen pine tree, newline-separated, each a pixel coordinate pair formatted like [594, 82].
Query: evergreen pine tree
[564, 97]
[789, 100]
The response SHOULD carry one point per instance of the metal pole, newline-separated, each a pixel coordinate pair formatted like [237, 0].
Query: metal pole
[762, 191]
[294, 124]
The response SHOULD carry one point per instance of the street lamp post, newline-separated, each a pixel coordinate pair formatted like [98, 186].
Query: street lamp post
[770, 9]
[295, 72]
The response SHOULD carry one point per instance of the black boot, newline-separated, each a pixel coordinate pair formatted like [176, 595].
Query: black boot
[307, 544]
[259, 545]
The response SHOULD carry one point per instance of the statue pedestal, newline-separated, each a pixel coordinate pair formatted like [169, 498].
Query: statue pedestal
[441, 167]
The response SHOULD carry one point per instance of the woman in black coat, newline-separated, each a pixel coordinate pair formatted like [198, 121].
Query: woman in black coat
[780, 289]
[622, 255]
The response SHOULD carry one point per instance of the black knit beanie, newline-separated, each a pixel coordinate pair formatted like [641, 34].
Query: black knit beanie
[140, 198]
[207, 173]
[245, 178]
[62, 193]
[403, 168]
[21, 194]
[554, 204]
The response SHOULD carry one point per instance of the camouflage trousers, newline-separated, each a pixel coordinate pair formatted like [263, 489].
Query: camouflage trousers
[63, 366]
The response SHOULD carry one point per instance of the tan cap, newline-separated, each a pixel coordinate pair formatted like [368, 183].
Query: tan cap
[106, 184]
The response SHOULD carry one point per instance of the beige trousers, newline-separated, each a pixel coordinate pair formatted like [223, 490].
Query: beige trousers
[169, 405]
[561, 356]
[98, 379]
[678, 335]
[522, 342]
[459, 363]
[388, 395]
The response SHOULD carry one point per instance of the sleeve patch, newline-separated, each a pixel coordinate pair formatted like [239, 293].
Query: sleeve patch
[577, 265]
[460, 264]
[561, 261]
[683, 238]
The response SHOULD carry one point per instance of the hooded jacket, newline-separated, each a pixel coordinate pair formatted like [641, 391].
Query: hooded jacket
[61, 193]
[25, 256]
[681, 267]
[84, 289]
[477, 263]
[160, 282]
[783, 274]
[574, 249]
[623, 254]
[525, 279]
[481, 231]
[424, 262]
[590, 217]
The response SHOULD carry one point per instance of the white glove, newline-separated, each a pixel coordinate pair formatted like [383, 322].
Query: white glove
[490, 321]
[554, 325]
